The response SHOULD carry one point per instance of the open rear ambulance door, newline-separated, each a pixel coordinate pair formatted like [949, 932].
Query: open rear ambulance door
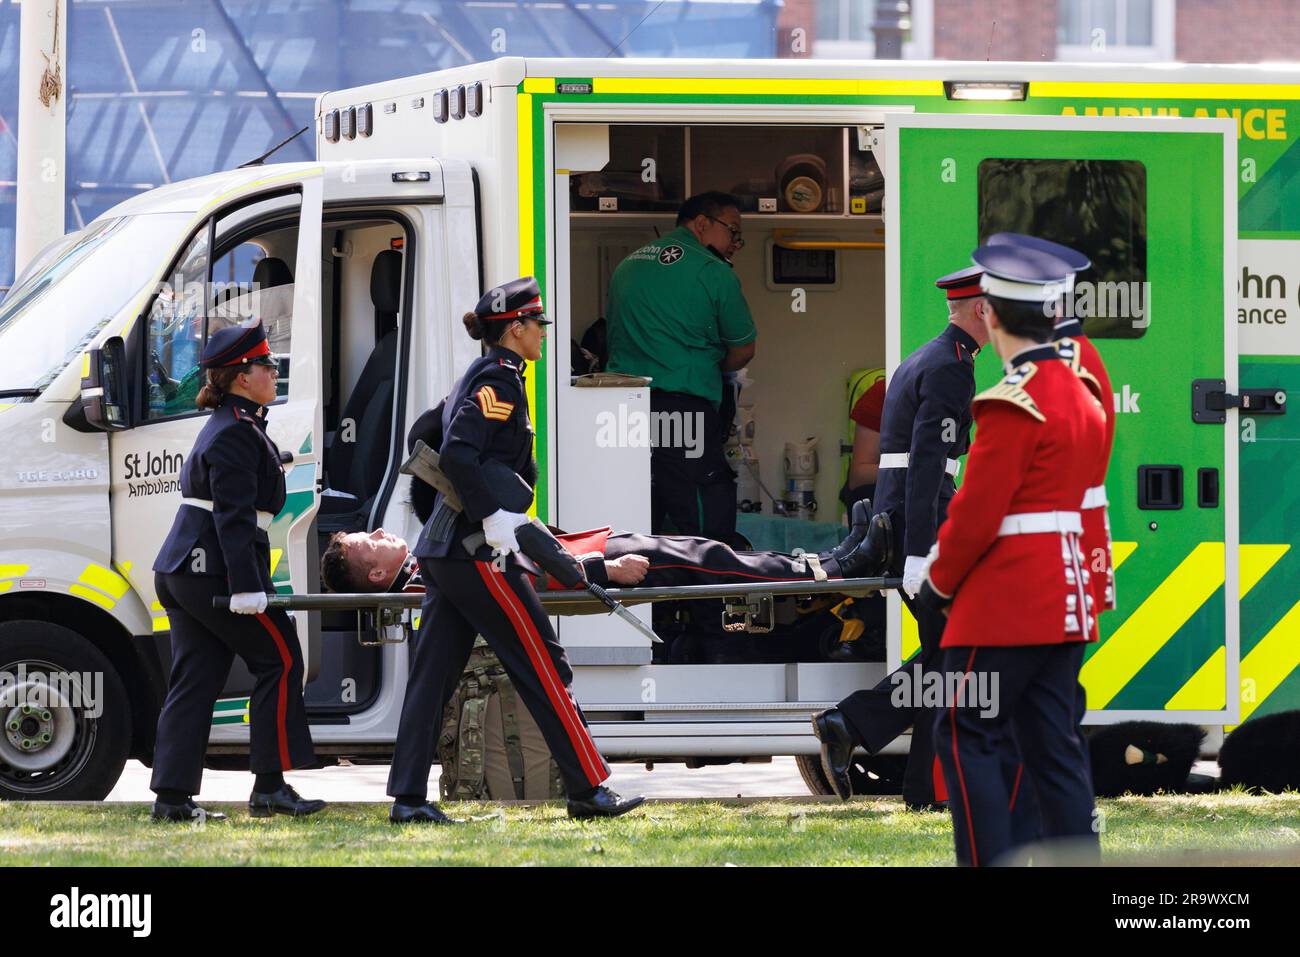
[1153, 203]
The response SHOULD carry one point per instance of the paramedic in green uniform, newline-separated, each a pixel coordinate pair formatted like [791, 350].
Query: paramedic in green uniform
[677, 314]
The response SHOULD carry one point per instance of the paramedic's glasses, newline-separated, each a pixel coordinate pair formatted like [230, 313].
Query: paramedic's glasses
[736, 239]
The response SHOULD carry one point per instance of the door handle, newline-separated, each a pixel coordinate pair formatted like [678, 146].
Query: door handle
[1160, 486]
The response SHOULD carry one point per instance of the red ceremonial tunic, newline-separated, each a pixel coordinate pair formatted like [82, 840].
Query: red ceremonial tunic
[1086, 361]
[1009, 555]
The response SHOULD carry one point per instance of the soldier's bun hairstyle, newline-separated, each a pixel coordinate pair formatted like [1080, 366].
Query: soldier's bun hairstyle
[473, 325]
[480, 328]
[1025, 319]
[217, 386]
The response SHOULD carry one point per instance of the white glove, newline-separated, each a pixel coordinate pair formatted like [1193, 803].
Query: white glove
[499, 530]
[248, 603]
[913, 574]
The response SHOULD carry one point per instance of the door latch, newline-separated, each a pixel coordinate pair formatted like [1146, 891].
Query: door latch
[1211, 401]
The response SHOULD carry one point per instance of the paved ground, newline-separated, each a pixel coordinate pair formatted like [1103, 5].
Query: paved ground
[780, 778]
[366, 782]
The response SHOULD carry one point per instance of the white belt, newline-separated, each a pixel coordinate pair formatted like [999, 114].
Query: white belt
[1095, 497]
[264, 519]
[899, 460]
[1029, 523]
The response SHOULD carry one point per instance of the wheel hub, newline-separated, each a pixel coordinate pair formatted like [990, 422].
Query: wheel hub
[36, 736]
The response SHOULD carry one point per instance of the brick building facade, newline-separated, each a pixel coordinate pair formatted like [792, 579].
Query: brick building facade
[1190, 31]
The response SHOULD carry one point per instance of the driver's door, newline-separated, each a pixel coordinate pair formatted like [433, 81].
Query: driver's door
[192, 302]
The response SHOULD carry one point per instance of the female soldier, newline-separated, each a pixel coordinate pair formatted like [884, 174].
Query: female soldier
[487, 453]
[233, 485]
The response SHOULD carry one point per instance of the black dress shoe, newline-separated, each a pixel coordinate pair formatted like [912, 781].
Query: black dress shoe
[188, 811]
[283, 800]
[859, 520]
[426, 813]
[874, 554]
[837, 740]
[604, 803]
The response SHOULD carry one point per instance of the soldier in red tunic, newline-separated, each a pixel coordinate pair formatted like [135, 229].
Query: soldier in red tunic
[1009, 566]
[1082, 355]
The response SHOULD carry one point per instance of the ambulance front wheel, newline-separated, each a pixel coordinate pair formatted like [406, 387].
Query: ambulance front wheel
[65, 728]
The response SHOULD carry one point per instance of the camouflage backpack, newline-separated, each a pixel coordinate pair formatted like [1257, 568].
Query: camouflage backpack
[490, 747]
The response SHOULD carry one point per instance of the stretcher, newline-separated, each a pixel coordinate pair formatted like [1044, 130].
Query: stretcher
[747, 605]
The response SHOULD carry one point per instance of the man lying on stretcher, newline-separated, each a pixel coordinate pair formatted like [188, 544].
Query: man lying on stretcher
[380, 561]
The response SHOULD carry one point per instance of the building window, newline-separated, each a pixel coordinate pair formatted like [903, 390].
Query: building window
[844, 29]
[1115, 29]
[845, 21]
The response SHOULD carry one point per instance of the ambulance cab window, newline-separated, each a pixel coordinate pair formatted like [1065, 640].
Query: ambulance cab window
[1096, 206]
[176, 335]
[252, 274]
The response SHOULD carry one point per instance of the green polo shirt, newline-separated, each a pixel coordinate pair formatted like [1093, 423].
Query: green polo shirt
[674, 310]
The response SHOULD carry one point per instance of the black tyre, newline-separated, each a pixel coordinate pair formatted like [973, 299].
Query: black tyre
[814, 778]
[882, 774]
[64, 738]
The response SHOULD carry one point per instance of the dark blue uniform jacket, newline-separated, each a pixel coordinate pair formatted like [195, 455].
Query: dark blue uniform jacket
[236, 466]
[484, 418]
[927, 414]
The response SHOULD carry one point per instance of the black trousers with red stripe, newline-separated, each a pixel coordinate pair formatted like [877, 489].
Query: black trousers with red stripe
[1038, 711]
[694, 560]
[204, 642]
[467, 598]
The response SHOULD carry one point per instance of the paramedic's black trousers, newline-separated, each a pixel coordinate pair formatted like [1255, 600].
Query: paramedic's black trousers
[465, 598]
[692, 488]
[205, 641]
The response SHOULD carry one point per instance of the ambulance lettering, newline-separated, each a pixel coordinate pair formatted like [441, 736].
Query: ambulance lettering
[1126, 400]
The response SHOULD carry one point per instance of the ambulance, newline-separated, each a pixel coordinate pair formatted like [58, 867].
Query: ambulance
[860, 183]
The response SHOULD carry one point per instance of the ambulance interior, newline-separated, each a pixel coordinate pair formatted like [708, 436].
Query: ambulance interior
[362, 279]
[812, 271]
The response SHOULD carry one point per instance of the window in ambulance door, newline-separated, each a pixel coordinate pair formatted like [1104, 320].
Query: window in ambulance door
[172, 373]
[1098, 207]
[252, 281]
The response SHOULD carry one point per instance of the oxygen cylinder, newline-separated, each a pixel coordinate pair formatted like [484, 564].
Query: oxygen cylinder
[800, 500]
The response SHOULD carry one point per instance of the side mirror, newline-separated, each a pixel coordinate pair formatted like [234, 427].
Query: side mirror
[103, 386]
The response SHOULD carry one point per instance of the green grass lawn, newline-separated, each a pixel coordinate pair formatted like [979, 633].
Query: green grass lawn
[1232, 827]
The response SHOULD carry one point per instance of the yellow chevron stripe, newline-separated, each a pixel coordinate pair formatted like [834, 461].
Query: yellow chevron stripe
[162, 624]
[1270, 661]
[13, 571]
[1206, 690]
[91, 595]
[1253, 563]
[911, 642]
[105, 579]
[276, 554]
[1154, 622]
[1120, 551]
[5, 586]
